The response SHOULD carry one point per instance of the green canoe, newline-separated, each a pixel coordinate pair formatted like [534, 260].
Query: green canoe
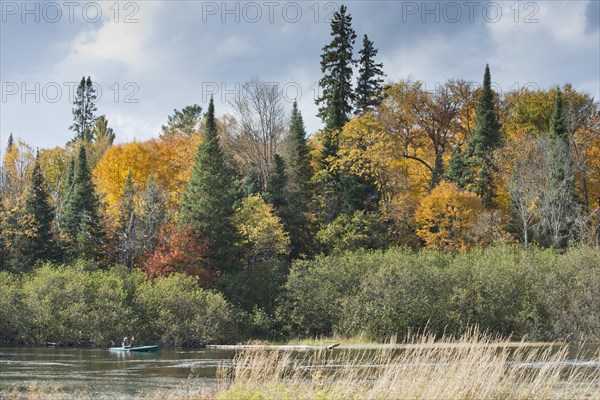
[143, 349]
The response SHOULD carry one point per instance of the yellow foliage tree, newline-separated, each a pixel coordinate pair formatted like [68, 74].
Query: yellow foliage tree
[169, 159]
[262, 234]
[446, 216]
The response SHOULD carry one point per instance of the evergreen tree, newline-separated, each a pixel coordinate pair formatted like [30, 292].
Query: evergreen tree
[207, 203]
[127, 224]
[152, 214]
[4, 177]
[369, 85]
[185, 122]
[3, 250]
[251, 181]
[101, 130]
[457, 166]
[299, 188]
[11, 142]
[80, 220]
[39, 244]
[335, 103]
[481, 144]
[83, 110]
[559, 198]
[126, 206]
[277, 191]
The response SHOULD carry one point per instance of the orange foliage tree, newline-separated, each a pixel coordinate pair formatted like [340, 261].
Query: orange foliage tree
[446, 216]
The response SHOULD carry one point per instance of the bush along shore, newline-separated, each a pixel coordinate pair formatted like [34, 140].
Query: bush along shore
[533, 294]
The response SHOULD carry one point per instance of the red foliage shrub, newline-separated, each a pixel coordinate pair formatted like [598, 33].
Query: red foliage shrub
[181, 249]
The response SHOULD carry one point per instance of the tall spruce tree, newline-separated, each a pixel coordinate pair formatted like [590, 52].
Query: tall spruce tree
[369, 85]
[299, 187]
[335, 103]
[83, 110]
[479, 173]
[80, 220]
[39, 245]
[207, 203]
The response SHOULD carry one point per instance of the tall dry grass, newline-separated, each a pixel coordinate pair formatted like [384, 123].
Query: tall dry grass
[473, 366]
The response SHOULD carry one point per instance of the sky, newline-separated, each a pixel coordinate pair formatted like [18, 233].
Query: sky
[148, 58]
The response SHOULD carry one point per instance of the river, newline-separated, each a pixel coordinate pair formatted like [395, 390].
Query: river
[98, 373]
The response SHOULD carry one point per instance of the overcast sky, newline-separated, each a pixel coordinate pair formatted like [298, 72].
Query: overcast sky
[149, 57]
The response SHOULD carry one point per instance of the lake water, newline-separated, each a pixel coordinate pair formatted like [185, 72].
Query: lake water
[98, 373]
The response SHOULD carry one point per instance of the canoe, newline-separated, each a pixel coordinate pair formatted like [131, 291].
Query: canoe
[142, 349]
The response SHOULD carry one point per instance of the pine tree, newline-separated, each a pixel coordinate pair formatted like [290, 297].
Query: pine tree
[335, 103]
[83, 110]
[185, 122]
[207, 203]
[80, 220]
[481, 144]
[101, 131]
[39, 245]
[369, 85]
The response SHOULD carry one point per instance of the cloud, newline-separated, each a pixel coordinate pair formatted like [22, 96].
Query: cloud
[176, 49]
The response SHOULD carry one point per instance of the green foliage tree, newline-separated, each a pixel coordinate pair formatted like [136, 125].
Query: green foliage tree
[559, 200]
[39, 244]
[207, 202]
[152, 214]
[457, 166]
[335, 104]
[83, 110]
[185, 122]
[299, 186]
[80, 219]
[479, 174]
[369, 85]
[276, 193]
[102, 132]
[361, 230]
[264, 246]
[127, 224]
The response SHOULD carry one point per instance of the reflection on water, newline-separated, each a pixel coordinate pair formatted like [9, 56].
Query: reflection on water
[100, 373]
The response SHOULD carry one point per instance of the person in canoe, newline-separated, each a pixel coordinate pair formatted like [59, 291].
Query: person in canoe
[126, 343]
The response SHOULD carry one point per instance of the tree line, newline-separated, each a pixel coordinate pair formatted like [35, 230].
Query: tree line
[231, 200]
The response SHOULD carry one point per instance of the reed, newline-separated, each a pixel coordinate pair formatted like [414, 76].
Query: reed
[473, 366]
